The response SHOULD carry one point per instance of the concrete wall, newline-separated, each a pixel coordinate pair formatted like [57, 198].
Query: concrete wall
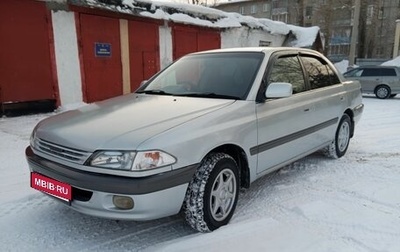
[244, 36]
[67, 57]
[166, 49]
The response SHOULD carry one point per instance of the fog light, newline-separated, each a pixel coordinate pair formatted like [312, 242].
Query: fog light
[123, 202]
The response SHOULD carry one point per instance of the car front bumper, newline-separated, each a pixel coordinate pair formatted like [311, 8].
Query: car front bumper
[154, 196]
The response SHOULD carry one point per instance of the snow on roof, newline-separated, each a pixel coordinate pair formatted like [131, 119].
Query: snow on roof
[305, 36]
[393, 62]
[231, 2]
[203, 16]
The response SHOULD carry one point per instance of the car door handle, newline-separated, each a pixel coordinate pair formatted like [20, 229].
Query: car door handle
[306, 110]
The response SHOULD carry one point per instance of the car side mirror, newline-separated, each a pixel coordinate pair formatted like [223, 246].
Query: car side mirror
[279, 90]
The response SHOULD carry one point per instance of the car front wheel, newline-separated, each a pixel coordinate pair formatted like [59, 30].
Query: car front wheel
[382, 92]
[213, 193]
[342, 139]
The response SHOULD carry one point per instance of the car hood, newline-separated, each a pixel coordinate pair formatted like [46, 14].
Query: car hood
[136, 116]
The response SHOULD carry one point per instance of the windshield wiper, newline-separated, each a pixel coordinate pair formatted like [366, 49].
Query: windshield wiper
[209, 95]
[154, 91]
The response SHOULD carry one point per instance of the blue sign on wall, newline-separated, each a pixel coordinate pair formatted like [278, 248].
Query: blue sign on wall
[102, 49]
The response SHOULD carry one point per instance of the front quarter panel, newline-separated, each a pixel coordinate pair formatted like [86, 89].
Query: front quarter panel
[193, 140]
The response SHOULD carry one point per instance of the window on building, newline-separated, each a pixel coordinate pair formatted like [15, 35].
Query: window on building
[370, 14]
[309, 10]
[275, 4]
[283, 17]
[381, 13]
[241, 9]
[253, 9]
[266, 7]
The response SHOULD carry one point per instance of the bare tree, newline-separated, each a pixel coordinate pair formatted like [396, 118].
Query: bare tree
[300, 12]
[327, 14]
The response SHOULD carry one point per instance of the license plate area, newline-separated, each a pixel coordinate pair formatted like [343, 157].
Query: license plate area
[51, 186]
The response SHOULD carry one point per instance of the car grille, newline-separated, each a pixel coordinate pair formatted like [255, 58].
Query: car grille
[69, 154]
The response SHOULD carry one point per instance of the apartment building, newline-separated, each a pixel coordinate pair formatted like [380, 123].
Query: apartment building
[377, 22]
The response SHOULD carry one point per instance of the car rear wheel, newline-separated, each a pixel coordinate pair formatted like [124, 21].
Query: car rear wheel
[382, 92]
[342, 139]
[213, 193]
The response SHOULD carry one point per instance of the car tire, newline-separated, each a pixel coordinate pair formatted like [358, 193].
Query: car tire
[212, 194]
[342, 139]
[382, 91]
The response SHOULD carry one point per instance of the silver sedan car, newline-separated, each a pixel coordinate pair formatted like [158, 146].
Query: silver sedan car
[194, 134]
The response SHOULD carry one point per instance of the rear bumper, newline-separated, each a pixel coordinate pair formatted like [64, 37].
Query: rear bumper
[154, 196]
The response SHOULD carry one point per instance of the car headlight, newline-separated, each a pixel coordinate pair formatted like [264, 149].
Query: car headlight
[130, 160]
[120, 160]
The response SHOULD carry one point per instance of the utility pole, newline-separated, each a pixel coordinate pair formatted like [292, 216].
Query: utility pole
[354, 33]
[396, 39]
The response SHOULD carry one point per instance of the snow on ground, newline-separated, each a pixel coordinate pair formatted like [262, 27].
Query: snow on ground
[315, 204]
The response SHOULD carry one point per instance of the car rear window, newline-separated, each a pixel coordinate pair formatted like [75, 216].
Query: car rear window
[388, 72]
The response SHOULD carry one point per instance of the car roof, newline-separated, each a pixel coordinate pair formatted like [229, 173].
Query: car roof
[376, 66]
[257, 49]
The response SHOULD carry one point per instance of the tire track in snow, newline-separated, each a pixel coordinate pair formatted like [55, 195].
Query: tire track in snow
[16, 207]
[55, 227]
[280, 191]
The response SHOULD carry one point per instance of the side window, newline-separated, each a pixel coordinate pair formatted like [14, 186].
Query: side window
[388, 72]
[368, 72]
[353, 73]
[288, 69]
[319, 73]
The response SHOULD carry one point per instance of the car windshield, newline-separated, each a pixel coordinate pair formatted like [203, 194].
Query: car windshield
[214, 75]
[353, 73]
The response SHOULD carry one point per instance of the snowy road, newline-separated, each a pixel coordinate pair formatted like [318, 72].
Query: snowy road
[315, 204]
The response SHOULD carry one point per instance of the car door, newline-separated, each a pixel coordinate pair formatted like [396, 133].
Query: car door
[390, 78]
[284, 125]
[370, 78]
[364, 76]
[328, 95]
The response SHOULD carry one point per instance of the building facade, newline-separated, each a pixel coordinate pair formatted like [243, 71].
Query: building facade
[70, 51]
[377, 22]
